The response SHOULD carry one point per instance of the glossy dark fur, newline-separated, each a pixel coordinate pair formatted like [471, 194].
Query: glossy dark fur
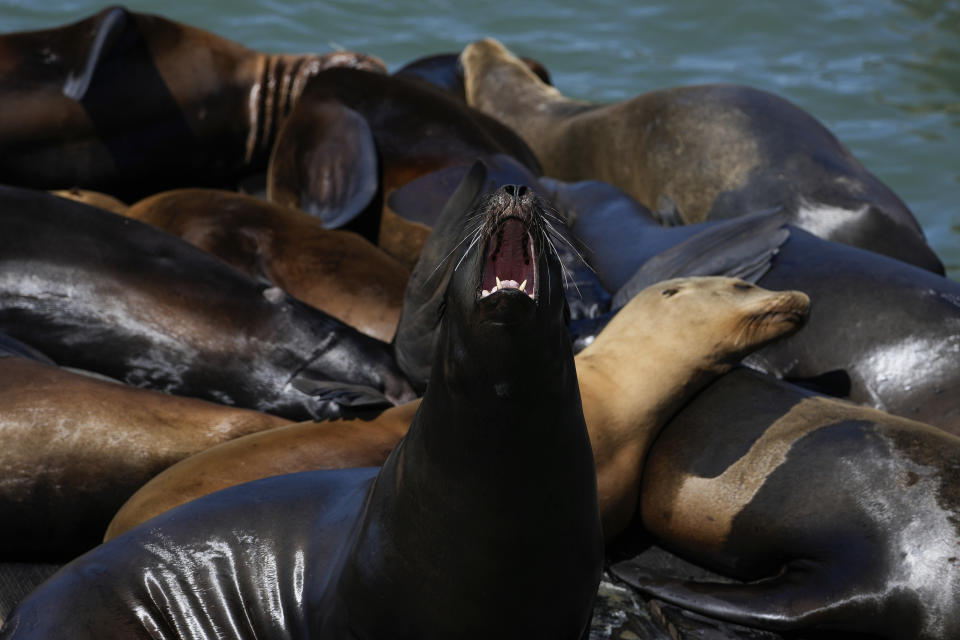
[880, 331]
[846, 518]
[387, 130]
[458, 534]
[131, 103]
[101, 292]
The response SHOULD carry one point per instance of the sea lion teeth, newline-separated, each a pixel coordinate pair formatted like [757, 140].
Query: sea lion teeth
[523, 285]
[499, 285]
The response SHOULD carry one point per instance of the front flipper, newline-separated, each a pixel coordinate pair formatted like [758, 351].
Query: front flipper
[108, 27]
[740, 248]
[324, 162]
[804, 595]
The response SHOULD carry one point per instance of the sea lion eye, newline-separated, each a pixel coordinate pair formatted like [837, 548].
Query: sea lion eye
[669, 292]
[743, 286]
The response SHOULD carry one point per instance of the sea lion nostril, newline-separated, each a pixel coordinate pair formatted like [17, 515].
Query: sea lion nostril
[522, 190]
[509, 188]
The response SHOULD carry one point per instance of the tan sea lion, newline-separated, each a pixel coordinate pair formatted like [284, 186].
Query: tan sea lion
[93, 198]
[336, 271]
[669, 341]
[700, 153]
[74, 448]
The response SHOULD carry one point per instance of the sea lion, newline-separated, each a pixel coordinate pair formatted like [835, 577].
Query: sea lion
[131, 103]
[881, 332]
[839, 517]
[354, 137]
[630, 384]
[102, 292]
[700, 153]
[443, 70]
[93, 198]
[335, 271]
[75, 448]
[458, 534]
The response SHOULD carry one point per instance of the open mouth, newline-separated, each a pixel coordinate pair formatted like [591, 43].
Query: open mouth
[510, 263]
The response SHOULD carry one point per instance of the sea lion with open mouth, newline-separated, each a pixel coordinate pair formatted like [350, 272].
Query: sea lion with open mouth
[482, 521]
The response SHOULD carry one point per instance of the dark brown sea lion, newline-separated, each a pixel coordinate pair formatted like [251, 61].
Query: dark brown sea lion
[102, 292]
[354, 137]
[700, 153]
[458, 535]
[838, 517]
[131, 104]
[668, 342]
[335, 271]
[74, 448]
[881, 332]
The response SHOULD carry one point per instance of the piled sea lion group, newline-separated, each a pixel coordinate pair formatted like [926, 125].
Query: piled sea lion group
[299, 336]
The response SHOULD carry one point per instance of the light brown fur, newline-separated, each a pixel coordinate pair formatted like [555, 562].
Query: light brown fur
[653, 356]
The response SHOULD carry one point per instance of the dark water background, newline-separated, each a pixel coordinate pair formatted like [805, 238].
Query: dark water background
[884, 75]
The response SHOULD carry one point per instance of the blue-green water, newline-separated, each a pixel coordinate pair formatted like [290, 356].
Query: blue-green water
[884, 75]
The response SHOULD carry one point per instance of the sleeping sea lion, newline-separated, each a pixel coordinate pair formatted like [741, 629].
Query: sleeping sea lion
[668, 342]
[700, 153]
[131, 103]
[458, 534]
[102, 292]
[76, 447]
[881, 332]
[335, 271]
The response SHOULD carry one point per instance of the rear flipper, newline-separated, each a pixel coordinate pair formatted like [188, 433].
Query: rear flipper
[804, 595]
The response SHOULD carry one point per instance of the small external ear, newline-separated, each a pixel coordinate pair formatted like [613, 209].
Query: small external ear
[324, 162]
[110, 25]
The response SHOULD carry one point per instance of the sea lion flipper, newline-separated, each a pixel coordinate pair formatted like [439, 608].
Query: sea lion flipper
[341, 394]
[324, 162]
[786, 601]
[739, 248]
[109, 25]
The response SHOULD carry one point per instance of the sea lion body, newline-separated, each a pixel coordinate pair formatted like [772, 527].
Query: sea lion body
[75, 448]
[355, 137]
[101, 292]
[880, 332]
[131, 104]
[839, 517]
[453, 528]
[700, 153]
[630, 384]
[335, 271]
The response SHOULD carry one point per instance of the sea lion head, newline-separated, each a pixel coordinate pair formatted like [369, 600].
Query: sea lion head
[488, 67]
[725, 317]
[505, 298]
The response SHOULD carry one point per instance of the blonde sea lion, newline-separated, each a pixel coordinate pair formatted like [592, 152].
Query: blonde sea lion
[336, 271]
[669, 341]
[93, 198]
[700, 153]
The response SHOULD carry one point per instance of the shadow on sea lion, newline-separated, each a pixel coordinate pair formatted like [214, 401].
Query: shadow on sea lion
[130, 104]
[700, 153]
[457, 535]
[336, 271]
[102, 292]
[354, 137]
[839, 517]
[881, 332]
[76, 447]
